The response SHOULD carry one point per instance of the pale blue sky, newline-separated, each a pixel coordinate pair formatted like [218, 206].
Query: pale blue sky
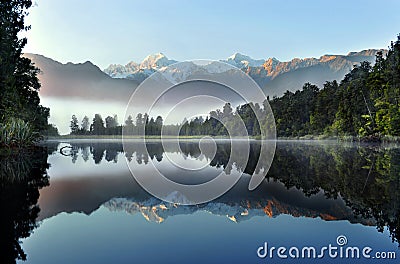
[119, 31]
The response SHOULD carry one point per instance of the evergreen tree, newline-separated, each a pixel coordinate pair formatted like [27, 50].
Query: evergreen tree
[129, 121]
[85, 125]
[19, 84]
[150, 127]
[111, 122]
[129, 126]
[97, 126]
[325, 108]
[74, 125]
[158, 125]
[384, 83]
[354, 101]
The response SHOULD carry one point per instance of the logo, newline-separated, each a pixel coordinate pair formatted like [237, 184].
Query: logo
[341, 240]
[340, 250]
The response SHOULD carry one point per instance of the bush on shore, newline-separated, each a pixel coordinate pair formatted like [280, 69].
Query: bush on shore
[16, 133]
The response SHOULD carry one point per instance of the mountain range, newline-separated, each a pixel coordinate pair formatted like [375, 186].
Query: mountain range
[116, 82]
[81, 86]
[272, 75]
[79, 81]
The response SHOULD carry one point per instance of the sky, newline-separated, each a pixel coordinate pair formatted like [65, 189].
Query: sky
[106, 32]
[116, 32]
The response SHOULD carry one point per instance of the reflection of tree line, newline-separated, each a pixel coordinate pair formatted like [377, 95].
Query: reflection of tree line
[152, 151]
[21, 176]
[110, 151]
[368, 178]
[98, 151]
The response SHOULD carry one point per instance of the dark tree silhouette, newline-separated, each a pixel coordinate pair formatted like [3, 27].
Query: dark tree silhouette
[74, 125]
[19, 84]
[85, 126]
[97, 127]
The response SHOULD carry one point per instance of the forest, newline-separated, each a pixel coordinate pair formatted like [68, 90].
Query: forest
[364, 105]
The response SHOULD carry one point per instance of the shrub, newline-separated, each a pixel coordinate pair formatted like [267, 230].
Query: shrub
[16, 132]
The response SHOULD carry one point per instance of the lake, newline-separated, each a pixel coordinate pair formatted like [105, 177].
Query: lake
[83, 205]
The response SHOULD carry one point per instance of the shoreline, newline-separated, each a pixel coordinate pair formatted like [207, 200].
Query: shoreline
[345, 139]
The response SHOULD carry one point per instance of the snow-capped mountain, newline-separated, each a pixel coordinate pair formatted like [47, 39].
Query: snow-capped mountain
[121, 71]
[152, 63]
[181, 72]
[241, 61]
[156, 61]
[272, 75]
[139, 71]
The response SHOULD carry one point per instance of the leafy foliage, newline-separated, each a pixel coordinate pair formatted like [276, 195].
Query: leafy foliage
[19, 84]
[366, 103]
[17, 132]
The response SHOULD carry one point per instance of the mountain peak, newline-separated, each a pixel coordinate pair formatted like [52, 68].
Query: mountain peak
[155, 56]
[237, 55]
[326, 58]
[155, 61]
[149, 64]
[272, 60]
[270, 65]
[239, 60]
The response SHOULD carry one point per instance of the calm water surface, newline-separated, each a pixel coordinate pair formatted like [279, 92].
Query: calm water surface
[85, 207]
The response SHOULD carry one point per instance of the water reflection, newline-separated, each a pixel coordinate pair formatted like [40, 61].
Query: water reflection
[22, 174]
[358, 183]
[366, 177]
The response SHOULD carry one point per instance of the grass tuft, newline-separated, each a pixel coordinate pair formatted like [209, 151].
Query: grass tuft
[16, 132]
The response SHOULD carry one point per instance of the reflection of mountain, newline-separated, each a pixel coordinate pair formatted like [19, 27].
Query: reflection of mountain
[22, 174]
[87, 193]
[157, 211]
[328, 180]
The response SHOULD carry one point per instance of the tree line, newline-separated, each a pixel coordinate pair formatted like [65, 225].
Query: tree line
[215, 124]
[110, 125]
[365, 104]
